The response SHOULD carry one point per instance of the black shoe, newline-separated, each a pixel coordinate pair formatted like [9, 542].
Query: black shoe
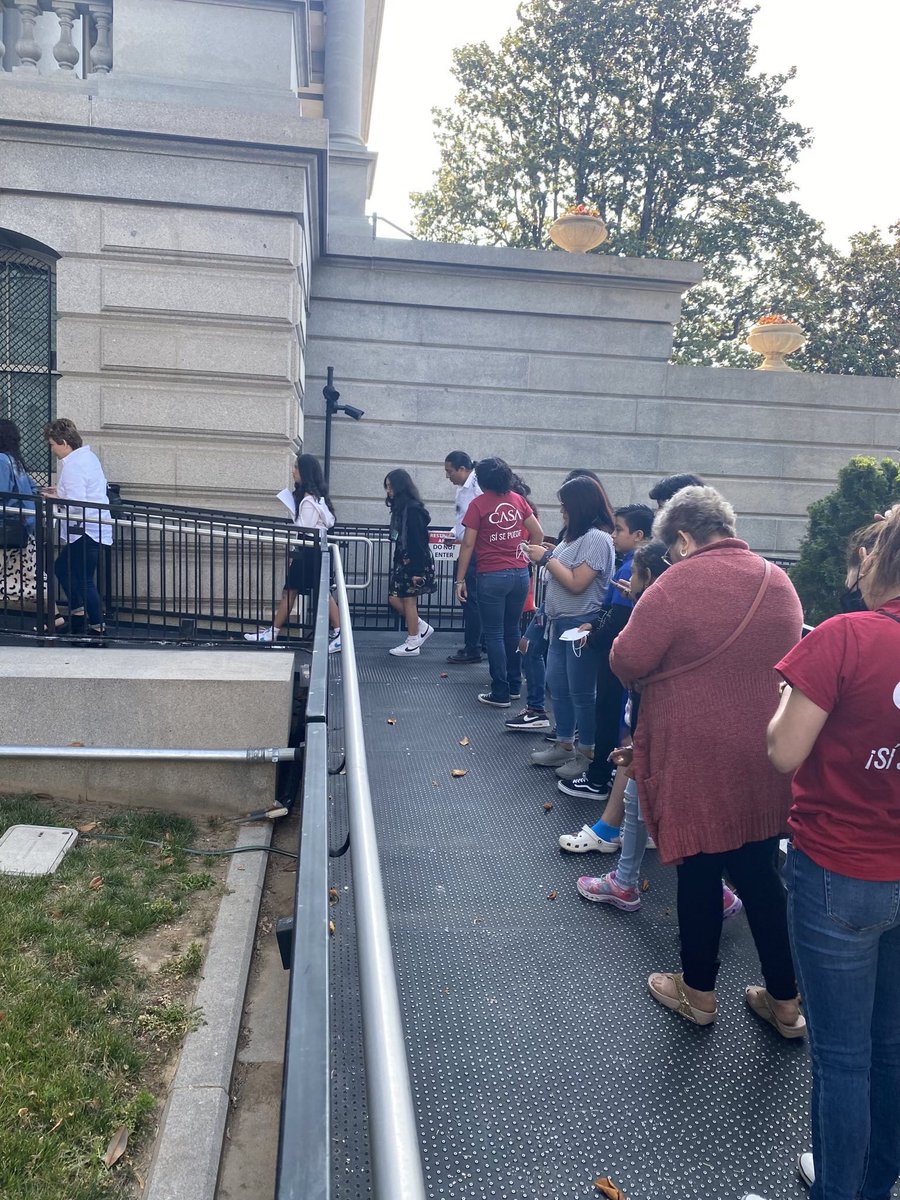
[529, 718]
[515, 695]
[583, 788]
[463, 656]
[489, 698]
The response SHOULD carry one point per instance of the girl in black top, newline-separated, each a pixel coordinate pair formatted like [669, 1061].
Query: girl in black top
[412, 572]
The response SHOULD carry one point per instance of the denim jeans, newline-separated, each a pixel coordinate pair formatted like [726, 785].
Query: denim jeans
[501, 598]
[845, 935]
[76, 571]
[572, 679]
[634, 840]
[471, 615]
[533, 663]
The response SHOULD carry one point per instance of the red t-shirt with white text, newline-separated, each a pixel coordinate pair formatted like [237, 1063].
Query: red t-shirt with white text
[499, 522]
[846, 810]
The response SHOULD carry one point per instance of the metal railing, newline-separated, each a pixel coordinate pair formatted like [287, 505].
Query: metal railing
[304, 1168]
[168, 573]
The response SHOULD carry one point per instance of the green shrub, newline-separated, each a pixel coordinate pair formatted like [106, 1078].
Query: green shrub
[864, 488]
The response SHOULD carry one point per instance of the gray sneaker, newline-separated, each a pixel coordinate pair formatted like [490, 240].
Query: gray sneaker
[553, 756]
[574, 768]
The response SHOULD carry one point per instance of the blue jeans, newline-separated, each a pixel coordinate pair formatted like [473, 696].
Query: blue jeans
[471, 615]
[634, 840]
[76, 571]
[501, 598]
[572, 679]
[533, 663]
[845, 935]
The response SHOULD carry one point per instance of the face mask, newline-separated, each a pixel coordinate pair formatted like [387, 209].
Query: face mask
[852, 601]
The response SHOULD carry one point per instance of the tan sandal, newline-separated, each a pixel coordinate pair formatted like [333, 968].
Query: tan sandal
[679, 1002]
[760, 1002]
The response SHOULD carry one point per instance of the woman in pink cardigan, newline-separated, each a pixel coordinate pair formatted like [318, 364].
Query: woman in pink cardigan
[702, 645]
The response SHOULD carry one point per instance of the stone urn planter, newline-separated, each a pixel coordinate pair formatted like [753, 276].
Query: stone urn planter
[773, 340]
[578, 232]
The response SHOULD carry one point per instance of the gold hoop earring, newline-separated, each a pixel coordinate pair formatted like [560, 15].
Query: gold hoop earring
[682, 553]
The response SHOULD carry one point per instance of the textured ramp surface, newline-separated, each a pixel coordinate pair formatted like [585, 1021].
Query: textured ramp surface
[539, 1061]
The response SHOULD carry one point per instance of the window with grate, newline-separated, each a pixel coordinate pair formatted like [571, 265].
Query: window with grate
[27, 348]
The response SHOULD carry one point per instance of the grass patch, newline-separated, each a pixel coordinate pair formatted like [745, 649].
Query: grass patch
[81, 1026]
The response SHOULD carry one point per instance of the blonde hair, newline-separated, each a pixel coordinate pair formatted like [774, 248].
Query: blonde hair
[884, 573]
[702, 512]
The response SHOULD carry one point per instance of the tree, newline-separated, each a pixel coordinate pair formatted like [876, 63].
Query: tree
[652, 111]
[864, 487]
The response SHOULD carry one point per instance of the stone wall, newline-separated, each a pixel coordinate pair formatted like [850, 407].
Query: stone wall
[553, 361]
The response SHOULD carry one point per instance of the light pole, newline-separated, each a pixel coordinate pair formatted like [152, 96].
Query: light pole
[332, 395]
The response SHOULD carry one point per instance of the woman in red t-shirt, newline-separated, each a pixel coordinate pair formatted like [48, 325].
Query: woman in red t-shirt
[497, 523]
[838, 729]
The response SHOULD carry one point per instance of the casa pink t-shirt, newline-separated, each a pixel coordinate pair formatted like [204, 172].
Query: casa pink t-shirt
[846, 810]
[499, 523]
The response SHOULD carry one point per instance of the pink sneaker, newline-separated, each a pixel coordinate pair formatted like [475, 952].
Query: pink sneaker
[606, 890]
[731, 903]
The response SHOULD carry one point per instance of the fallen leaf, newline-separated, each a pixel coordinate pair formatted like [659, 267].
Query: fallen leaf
[91, 825]
[392, 720]
[96, 883]
[458, 772]
[22, 1114]
[606, 1187]
[464, 741]
[331, 927]
[116, 1147]
[2, 1016]
[333, 896]
[548, 807]
[551, 896]
[446, 991]
[645, 885]
[445, 674]
[56, 1126]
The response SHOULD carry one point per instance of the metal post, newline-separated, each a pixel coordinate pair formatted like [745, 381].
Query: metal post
[331, 399]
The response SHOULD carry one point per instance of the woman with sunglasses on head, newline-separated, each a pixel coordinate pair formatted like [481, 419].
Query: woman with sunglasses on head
[838, 730]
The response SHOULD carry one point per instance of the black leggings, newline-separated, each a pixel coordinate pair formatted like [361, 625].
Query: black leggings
[753, 870]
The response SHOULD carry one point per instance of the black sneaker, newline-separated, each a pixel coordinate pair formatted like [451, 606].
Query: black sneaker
[582, 787]
[488, 698]
[463, 656]
[529, 718]
[515, 695]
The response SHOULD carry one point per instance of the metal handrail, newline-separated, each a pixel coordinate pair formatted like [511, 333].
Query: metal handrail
[303, 1170]
[396, 1161]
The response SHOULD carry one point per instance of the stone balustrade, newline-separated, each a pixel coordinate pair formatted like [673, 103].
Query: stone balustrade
[63, 38]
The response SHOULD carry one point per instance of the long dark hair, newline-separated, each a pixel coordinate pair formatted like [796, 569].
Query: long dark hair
[494, 475]
[586, 507]
[405, 491]
[311, 483]
[10, 442]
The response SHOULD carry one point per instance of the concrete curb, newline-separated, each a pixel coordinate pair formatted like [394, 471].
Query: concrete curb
[189, 1145]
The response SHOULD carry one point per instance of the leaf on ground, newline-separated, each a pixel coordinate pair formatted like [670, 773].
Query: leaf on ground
[458, 772]
[551, 896]
[116, 1147]
[96, 883]
[56, 1126]
[606, 1187]
[464, 741]
[334, 896]
[331, 928]
[392, 720]
[22, 1114]
[89, 828]
[445, 674]
[645, 885]
[548, 807]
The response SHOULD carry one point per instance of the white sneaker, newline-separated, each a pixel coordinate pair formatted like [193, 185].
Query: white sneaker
[806, 1168]
[264, 635]
[409, 649]
[334, 646]
[425, 631]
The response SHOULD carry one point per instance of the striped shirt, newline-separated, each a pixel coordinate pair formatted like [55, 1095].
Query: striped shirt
[594, 548]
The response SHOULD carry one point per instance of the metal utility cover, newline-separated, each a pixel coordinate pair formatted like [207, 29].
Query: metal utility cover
[34, 849]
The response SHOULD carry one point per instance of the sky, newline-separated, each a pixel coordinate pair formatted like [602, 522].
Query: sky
[845, 90]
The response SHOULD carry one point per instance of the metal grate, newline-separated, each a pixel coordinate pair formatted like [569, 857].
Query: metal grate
[27, 302]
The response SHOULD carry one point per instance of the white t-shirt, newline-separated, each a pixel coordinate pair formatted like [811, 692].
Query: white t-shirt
[314, 514]
[81, 478]
[465, 494]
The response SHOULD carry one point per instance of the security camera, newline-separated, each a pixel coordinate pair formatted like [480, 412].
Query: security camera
[355, 413]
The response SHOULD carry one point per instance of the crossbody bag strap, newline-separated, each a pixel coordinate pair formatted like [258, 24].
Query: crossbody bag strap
[701, 662]
[890, 616]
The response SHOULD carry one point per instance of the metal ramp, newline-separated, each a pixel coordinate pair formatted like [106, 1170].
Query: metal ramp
[539, 1061]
